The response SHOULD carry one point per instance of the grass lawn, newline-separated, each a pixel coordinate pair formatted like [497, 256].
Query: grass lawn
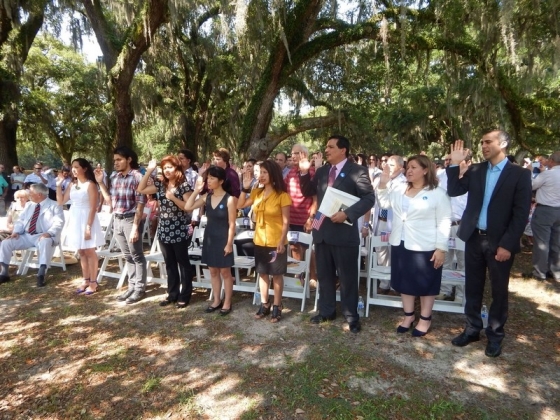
[68, 356]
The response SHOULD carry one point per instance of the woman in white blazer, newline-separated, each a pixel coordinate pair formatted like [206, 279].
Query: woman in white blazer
[419, 238]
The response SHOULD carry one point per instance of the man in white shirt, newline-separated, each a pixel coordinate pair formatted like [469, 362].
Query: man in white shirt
[37, 176]
[545, 222]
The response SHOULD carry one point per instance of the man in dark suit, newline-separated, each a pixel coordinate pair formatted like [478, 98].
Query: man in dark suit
[492, 224]
[337, 244]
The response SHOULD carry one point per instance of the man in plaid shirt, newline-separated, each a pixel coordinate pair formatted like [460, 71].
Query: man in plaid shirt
[128, 208]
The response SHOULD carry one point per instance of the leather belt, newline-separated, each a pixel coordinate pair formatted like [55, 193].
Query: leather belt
[124, 216]
[384, 219]
[482, 232]
[456, 223]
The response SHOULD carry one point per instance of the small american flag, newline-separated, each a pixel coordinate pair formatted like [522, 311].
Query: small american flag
[317, 221]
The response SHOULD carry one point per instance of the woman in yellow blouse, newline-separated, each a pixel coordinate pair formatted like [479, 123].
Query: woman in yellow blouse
[271, 209]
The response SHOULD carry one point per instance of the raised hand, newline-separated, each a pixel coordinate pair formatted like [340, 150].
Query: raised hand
[203, 168]
[458, 152]
[384, 177]
[318, 160]
[152, 164]
[98, 172]
[59, 179]
[247, 178]
[199, 185]
[304, 165]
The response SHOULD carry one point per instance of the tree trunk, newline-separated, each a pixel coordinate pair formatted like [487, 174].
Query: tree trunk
[9, 79]
[284, 60]
[121, 55]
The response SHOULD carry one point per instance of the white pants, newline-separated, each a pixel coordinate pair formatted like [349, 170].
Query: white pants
[45, 247]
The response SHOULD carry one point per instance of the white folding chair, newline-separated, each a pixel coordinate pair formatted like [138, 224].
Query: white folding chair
[195, 253]
[453, 278]
[146, 236]
[156, 256]
[106, 222]
[242, 224]
[377, 272]
[30, 259]
[243, 262]
[111, 253]
[296, 283]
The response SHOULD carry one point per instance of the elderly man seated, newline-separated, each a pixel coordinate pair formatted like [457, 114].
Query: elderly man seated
[39, 225]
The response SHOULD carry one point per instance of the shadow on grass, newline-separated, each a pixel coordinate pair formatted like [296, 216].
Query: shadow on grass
[66, 356]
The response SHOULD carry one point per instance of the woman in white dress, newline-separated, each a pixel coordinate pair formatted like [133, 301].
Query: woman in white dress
[83, 223]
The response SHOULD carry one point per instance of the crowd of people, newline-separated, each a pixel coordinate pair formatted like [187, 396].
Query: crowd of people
[420, 206]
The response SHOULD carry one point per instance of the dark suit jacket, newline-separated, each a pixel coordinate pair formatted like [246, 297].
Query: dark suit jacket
[353, 179]
[509, 206]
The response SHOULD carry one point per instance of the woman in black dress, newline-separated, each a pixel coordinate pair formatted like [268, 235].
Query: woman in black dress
[172, 233]
[217, 246]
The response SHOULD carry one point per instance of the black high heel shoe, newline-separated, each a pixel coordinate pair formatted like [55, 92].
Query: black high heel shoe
[276, 313]
[211, 309]
[401, 329]
[418, 333]
[263, 311]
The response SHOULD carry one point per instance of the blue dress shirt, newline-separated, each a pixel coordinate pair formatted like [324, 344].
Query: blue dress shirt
[492, 176]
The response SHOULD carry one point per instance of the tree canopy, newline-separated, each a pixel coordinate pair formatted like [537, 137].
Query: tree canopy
[251, 75]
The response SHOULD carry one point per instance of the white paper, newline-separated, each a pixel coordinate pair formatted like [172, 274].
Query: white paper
[335, 201]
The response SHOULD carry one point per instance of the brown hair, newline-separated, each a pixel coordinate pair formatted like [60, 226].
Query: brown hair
[223, 153]
[430, 179]
[179, 175]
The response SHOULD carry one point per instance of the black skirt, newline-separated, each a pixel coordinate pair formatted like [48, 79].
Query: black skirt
[263, 257]
[412, 272]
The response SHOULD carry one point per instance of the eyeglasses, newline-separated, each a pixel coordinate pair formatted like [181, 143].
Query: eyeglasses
[35, 167]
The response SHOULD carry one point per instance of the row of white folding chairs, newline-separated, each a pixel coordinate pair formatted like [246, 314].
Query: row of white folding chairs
[377, 272]
[296, 282]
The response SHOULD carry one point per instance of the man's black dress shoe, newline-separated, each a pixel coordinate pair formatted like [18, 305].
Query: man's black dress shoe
[319, 319]
[355, 327]
[137, 296]
[4, 279]
[41, 281]
[493, 349]
[464, 339]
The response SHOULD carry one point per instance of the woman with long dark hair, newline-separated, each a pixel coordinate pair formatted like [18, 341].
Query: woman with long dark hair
[84, 229]
[172, 232]
[217, 246]
[271, 207]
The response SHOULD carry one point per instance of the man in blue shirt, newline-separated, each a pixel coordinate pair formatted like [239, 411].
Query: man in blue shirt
[492, 224]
